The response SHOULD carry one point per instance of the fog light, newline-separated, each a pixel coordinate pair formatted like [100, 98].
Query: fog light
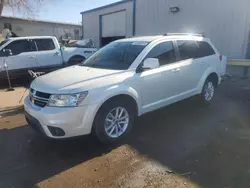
[55, 131]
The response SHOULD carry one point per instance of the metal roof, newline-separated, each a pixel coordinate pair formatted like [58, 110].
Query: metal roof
[106, 6]
[42, 21]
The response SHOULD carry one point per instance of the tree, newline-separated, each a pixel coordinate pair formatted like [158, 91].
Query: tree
[26, 7]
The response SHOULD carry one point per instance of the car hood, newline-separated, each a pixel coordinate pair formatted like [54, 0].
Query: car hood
[67, 79]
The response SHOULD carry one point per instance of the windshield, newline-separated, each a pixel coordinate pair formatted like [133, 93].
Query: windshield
[116, 55]
[3, 42]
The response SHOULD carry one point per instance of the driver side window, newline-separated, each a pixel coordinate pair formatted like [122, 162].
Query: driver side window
[164, 52]
[19, 46]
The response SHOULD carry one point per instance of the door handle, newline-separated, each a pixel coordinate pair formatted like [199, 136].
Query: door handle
[31, 56]
[176, 70]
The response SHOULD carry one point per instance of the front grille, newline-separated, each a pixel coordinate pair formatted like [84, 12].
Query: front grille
[42, 95]
[39, 98]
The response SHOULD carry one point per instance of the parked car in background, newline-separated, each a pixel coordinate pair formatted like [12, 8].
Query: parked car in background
[42, 53]
[125, 79]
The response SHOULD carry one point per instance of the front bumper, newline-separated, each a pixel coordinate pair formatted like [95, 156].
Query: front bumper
[34, 123]
[71, 121]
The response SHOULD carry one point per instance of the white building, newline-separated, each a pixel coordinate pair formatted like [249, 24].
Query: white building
[226, 22]
[25, 27]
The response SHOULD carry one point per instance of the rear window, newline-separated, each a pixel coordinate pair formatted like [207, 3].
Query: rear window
[44, 44]
[204, 49]
[194, 49]
[188, 49]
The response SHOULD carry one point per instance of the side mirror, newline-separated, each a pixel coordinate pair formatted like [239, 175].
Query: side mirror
[7, 52]
[150, 63]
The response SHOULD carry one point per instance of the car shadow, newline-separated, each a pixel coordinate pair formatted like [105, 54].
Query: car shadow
[210, 143]
[28, 158]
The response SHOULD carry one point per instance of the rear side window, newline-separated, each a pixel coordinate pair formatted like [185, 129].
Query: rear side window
[164, 51]
[194, 49]
[204, 49]
[188, 49]
[44, 44]
[20, 46]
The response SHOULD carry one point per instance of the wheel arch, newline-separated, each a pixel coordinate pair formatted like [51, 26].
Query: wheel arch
[125, 97]
[74, 56]
[214, 77]
[209, 74]
[121, 96]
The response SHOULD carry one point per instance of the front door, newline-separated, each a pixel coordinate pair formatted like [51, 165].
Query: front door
[21, 59]
[158, 85]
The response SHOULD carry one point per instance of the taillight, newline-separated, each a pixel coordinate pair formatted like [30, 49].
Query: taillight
[220, 57]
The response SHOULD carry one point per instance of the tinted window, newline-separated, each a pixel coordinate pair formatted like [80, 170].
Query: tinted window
[164, 52]
[188, 49]
[204, 49]
[19, 46]
[116, 55]
[44, 44]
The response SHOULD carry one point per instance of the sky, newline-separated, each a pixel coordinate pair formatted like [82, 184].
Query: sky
[62, 10]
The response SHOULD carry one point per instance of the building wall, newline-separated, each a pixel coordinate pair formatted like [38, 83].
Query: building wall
[33, 28]
[226, 22]
[91, 21]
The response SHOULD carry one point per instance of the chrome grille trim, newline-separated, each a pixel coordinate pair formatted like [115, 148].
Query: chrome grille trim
[38, 101]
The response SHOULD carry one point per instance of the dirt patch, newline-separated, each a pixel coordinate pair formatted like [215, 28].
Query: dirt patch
[122, 167]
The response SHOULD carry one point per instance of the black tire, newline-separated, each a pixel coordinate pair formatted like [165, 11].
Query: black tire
[76, 60]
[99, 122]
[207, 95]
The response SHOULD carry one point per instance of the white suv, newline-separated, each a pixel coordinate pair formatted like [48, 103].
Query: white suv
[125, 79]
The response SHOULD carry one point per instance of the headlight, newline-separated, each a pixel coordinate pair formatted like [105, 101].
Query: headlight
[71, 100]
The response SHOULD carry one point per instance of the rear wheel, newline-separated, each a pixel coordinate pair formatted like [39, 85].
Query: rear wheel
[113, 121]
[208, 92]
[76, 60]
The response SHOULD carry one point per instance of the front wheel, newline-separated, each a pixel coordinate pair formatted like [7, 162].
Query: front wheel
[113, 121]
[208, 92]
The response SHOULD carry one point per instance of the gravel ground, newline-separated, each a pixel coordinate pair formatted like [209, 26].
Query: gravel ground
[183, 145]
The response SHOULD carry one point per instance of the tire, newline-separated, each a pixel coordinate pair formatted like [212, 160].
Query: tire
[102, 127]
[208, 92]
[76, 60]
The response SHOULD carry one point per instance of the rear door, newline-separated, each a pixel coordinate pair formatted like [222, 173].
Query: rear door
[48, 55]
[191, 66]
[206, 56]
[22, 57]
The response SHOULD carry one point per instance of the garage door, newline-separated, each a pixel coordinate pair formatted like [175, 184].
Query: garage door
[113, 26]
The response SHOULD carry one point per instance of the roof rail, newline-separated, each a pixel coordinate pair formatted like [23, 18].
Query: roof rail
[190, 34]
